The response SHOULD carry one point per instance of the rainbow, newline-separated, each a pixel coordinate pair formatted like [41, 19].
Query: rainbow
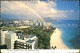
[23, 5]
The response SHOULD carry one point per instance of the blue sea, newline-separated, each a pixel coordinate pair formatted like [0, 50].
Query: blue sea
[70, 29]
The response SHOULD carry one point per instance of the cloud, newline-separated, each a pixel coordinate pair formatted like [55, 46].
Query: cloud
[44, 9]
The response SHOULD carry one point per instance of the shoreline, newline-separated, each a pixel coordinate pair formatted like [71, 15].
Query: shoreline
[55, 40]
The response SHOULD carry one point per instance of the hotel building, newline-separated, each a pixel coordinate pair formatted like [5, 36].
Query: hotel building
[29, 42]
[14, 41]
[3, 37]
[10, 38]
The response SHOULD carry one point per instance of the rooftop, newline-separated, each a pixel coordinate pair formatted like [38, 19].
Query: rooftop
[11, 32]
[29, 36]
[30, 41]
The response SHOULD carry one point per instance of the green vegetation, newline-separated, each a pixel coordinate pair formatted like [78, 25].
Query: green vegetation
[43, 36]
[42, 33]
[3, 47]
[11, 28]
[8, 28]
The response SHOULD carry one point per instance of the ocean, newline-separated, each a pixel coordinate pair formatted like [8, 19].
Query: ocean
[70, 30]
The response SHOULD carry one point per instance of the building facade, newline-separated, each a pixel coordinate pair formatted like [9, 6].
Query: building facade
[14, 41]
[21, 44]
[10, 38]
[27, 43]
[3, 37]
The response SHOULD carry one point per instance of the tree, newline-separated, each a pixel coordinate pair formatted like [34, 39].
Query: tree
[3, 47]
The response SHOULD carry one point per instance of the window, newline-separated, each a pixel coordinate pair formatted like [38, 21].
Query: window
[24, 47]
[24, 44]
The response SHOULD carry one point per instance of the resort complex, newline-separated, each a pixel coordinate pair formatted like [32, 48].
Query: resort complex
[14, 41]
[39, 24]
[19, 35]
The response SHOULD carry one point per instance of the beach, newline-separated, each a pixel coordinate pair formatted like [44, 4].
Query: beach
[56, 40]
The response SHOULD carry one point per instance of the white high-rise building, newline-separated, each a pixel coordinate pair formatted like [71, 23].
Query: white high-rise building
[10, 38]
[3, 37]
[30, 42]
[12, 41]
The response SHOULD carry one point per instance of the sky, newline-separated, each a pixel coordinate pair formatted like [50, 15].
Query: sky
[60, 10]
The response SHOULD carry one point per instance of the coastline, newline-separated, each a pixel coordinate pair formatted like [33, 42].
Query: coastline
[56, 40]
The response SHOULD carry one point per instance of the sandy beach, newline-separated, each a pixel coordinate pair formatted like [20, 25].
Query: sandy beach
[57, 41]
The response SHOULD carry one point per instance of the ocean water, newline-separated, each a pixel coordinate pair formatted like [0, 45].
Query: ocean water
[70, 29]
